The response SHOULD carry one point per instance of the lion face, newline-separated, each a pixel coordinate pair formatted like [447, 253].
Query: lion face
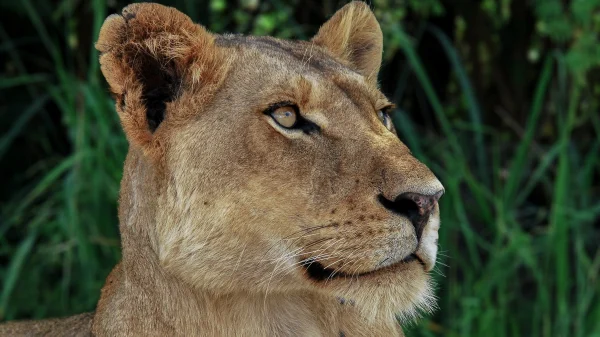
[277, 166]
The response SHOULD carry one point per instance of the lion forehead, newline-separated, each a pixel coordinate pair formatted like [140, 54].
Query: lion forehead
[301, 56]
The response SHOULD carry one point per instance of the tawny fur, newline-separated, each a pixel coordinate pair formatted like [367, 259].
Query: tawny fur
[219, 205]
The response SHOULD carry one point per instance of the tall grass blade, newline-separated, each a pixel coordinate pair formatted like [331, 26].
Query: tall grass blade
[421, 74]
[469, 96]
[14, 270]
[522, 153]
[559, 222]
[17, 127]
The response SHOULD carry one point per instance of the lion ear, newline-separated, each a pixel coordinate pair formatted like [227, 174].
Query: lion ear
[353, 34]
[149, 54]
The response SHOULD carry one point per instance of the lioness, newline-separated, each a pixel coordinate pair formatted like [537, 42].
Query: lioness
[265, 192]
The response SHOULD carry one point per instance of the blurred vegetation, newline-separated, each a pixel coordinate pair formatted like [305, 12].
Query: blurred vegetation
[499, 97]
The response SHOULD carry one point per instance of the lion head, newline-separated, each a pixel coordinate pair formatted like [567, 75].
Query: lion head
[269, 166]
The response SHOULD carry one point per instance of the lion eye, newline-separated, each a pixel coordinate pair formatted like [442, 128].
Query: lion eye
[384, 117]
[285, 116]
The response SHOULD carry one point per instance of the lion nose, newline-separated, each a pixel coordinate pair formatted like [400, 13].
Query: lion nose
[415, 206]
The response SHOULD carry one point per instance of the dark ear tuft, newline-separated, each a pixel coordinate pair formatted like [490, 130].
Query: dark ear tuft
[159, 88]
[156, 106]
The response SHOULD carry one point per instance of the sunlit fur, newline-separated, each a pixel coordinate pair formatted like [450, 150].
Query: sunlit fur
[220, 206]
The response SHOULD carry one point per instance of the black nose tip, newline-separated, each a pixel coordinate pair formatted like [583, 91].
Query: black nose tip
[415, 206]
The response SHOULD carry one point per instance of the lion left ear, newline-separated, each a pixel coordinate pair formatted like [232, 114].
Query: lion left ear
[150, 55]
[353, 35]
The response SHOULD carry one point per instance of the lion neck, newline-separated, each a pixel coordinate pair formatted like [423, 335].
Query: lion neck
[142, 296]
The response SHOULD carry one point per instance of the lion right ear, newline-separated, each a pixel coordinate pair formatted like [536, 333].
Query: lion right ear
[353, 34]
[149, 54]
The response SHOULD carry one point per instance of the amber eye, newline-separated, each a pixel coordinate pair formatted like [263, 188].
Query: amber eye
[285, 116]
[384, 117]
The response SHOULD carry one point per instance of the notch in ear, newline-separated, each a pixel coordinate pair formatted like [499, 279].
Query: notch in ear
[353, 35]
[150, 55]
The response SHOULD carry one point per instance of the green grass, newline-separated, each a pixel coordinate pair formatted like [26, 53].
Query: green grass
[65, 213]
[510, 264]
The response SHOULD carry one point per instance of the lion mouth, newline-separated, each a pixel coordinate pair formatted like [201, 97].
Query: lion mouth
[316, 271]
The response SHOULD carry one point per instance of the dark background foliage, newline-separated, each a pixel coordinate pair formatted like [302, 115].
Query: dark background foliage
[499, 97]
